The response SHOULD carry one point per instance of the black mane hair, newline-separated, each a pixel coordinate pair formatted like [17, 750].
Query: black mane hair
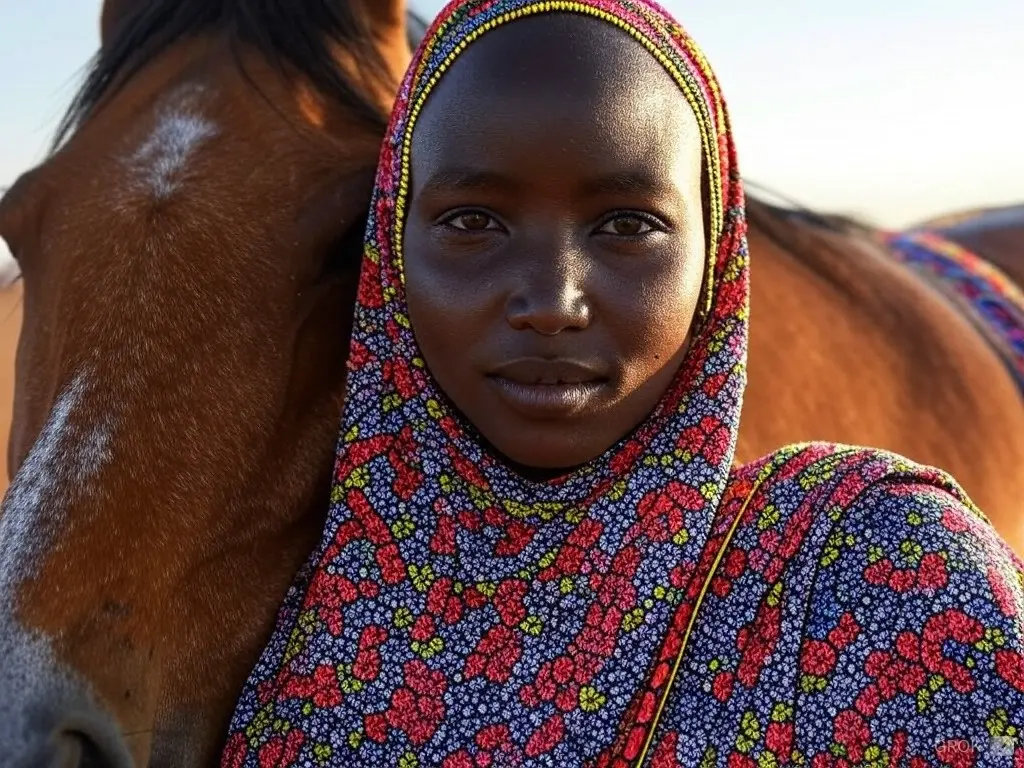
[297, 36]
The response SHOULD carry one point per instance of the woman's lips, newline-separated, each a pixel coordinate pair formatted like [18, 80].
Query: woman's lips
[541, 387]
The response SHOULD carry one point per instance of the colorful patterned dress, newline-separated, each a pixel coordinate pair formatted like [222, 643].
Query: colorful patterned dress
[826, 606]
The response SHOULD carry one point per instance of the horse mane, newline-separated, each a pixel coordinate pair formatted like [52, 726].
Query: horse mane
[296, 37]
[827, 244]
[813, 227]
[841, 224]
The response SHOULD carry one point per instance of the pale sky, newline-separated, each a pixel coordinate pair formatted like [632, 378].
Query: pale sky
[890, 109]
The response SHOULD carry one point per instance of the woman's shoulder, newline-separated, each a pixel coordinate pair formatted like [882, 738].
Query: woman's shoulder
[894, 604]
[828, 485]
[871, 518]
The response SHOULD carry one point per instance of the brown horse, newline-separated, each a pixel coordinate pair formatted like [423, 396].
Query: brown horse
[190, 255]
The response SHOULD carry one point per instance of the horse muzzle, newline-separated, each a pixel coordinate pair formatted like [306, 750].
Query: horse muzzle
[48, 718]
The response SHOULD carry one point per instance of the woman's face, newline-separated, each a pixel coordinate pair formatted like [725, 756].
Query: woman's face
[554, 246]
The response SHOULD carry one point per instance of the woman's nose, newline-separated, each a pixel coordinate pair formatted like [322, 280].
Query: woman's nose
[550, 297]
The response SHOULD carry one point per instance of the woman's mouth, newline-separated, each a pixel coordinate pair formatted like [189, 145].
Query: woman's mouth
[538, 387]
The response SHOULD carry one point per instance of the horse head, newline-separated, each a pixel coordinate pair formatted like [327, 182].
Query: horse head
[190, 251]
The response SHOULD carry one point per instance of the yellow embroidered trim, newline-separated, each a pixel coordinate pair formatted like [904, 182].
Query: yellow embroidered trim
[765, 473]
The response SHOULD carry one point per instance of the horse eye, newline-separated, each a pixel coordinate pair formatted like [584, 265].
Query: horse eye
[345, 254]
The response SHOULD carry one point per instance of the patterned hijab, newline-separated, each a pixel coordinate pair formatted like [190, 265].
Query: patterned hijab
[453, 600]
[459, 615]
[449, 593]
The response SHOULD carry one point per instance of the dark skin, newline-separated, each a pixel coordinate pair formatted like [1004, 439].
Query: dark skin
[554, 247]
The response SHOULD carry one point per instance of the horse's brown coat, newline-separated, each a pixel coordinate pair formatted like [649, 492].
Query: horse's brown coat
[212, 320]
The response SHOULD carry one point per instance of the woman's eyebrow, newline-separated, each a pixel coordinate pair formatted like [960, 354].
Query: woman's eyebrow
[468, 179]
[463, 179]
[627, 182]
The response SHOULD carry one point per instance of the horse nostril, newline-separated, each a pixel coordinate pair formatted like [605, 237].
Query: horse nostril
[70, 751]
[49, 717]
[79, 747]
[92, 758]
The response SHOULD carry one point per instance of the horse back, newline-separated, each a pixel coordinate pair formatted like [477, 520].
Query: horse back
[849, 346]
[997, 235]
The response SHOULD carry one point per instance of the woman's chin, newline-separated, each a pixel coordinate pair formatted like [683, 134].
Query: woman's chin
[546, 456]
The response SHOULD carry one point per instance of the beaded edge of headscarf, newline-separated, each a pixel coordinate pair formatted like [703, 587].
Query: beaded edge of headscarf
[645, 21]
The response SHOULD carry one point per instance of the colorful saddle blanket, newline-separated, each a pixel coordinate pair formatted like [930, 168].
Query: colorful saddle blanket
[993, 303]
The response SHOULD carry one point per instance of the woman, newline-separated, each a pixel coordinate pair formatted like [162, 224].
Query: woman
[538, 553]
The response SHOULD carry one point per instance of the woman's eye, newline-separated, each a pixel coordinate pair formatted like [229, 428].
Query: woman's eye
[627, 226]
[471, 221]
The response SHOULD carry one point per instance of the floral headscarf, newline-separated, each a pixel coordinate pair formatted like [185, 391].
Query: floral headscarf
[457, 614]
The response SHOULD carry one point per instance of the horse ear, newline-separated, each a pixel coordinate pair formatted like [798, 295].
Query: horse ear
[384, 16]
[18, 203]
[111, 18]
[392, 25]
[9, 269]
[416, 29]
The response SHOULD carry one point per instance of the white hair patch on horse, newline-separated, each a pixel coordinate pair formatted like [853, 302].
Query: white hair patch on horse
[66, 456]
[41, 695]
[162, 158]
[9, 269]
[64, 459]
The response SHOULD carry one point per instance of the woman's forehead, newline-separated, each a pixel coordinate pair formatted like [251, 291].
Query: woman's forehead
[555, 83]
[568, 48]
[546, 138]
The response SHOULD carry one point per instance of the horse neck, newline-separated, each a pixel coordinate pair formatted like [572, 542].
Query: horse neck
[833, 248]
